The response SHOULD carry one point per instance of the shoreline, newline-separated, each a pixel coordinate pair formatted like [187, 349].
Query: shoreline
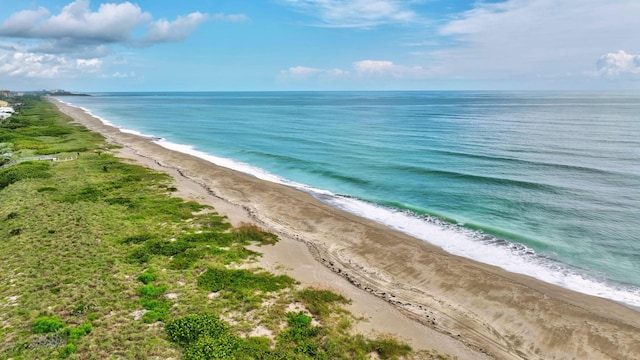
[417, 292]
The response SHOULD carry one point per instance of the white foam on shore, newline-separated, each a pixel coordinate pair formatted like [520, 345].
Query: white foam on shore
[107, 122]
[472, 244]
[454, 239]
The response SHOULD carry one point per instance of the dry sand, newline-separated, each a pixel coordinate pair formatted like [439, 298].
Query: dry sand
[401, 285]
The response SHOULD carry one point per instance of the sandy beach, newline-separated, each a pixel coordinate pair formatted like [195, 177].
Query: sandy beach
[400, 285]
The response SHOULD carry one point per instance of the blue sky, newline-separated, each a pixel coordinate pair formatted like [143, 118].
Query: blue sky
[151, 45]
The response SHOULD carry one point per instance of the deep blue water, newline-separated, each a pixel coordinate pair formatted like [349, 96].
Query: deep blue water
[546, 184]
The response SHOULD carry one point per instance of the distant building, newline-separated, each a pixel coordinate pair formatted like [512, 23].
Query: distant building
[5, 93]
[5, 112]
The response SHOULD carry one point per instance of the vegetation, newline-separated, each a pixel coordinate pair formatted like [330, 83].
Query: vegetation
[106, 264]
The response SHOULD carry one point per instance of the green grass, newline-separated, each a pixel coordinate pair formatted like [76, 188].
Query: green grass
[104, 263]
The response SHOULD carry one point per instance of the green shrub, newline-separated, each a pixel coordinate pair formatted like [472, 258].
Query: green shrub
[139, 256]
[224, 347]
[212, 222]
[67, 350]
[154, 304]
[152, 291]
[47, 324]
[152, 316]
[318, 302]
[46, 189]
[247, 233]
[79, 332]
[90, 193]
[186, 259]
[256, 348]
[51, 130]
[216, 279]
[190, 328]
[24, 170]
[217, 238]
[299, 320]
[137, 239]
[389, 348]
[235, 255]
[147, 276]
[79, 308]
[166, 248]
[300, 334]
[119, 201]
[159, 247]
[29, 144]
[12, 215]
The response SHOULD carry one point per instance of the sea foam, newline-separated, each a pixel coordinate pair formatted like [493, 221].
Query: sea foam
[452, 238]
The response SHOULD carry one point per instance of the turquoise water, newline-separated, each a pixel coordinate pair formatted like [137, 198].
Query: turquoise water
[545, 184]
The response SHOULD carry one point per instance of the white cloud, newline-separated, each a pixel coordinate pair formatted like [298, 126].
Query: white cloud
[356, 13]
[535, 38]
[336, 73]
[373, 66]
[77, 26]
[169, 31]
[230, 17]
[111, 23]
[364, 69]
[73, 41]
[88, 65]
[299, 73]
[302, 71]
[119, 75]
[383, 68]
[22, 22]
[618, 64]
[49, 66]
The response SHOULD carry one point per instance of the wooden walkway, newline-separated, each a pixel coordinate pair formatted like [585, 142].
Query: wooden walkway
[36, 158]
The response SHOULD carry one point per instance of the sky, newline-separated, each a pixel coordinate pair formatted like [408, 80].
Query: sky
[273, 45]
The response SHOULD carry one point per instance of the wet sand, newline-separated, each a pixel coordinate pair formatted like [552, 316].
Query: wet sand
[401, 285]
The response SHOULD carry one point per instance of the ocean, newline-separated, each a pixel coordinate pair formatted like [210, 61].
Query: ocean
[545, 184]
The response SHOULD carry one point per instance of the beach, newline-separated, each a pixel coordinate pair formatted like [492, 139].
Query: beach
[402, 286]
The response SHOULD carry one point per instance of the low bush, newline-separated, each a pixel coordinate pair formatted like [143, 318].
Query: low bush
[318, 301]
[248, 233]
[166, 248]
[224, 347]
[214, 238]
[147, 276]
[24, 170]
[47, 189]
[139, 238]
[186, 259]
[388, 348]
[67, 350]
[47, 324]
[216, 279]
[152, 291]
[190, 328]
[79, 332]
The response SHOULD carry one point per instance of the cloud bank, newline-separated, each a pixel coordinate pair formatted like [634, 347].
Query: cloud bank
[528, 39]
[75, 40]
[355, 13]
[363, 69]
[618, 64]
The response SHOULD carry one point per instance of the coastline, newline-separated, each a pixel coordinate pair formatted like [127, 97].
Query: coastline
[429, 298]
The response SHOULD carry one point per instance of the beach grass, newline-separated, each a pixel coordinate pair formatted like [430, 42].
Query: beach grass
[99, 261]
